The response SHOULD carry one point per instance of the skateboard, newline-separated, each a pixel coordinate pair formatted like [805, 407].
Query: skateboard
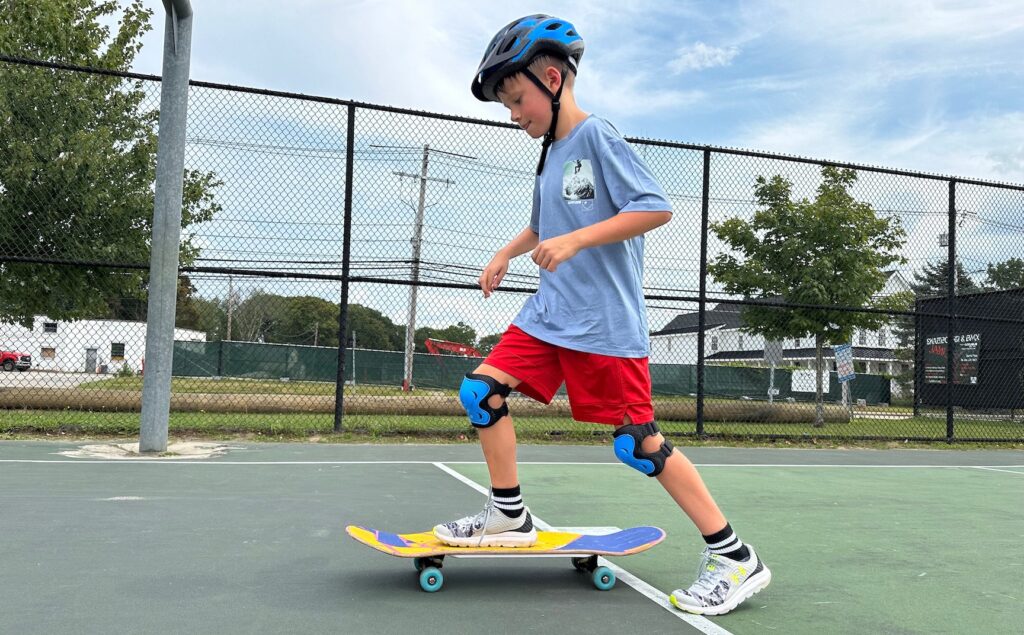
[428, 552]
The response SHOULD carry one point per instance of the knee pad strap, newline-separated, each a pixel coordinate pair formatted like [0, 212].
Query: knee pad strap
[476, 389]
[628, 441]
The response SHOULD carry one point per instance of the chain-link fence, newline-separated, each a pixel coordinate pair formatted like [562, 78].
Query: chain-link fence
[898, 297]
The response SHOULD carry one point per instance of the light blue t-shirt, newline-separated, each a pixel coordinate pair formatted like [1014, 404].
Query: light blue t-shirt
[593, 302]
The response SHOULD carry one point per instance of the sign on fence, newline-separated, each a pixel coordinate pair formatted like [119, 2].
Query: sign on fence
[844, 362]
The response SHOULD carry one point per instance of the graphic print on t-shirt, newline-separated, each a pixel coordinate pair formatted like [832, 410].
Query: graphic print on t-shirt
[578, 182]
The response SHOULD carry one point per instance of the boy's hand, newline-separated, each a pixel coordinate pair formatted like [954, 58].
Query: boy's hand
[554, 251]
[493, 273]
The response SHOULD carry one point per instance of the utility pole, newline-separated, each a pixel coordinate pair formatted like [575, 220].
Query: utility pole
[410, 325]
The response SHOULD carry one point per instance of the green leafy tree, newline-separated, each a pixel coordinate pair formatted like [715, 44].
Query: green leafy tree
[488, 342]
[78, 161]
[1008, 274]
[832, 251]
[373, 330]
[309, 320]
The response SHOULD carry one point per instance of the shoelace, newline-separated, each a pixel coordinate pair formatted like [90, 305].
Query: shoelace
[467, 524]
[707, 579]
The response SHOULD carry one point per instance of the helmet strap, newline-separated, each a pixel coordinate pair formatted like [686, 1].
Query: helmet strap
[556, 105]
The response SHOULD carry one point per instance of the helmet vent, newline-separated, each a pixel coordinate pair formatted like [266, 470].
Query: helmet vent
[571, 33]
[509, 44]
[553, 26]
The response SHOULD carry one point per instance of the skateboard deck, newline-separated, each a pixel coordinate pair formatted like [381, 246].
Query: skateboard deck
[428, 552]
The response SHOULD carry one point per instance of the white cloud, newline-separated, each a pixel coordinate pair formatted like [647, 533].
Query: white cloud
[700, 56]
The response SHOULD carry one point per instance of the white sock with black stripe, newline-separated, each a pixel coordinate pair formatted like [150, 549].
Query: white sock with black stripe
[726, 543]
[509, 500]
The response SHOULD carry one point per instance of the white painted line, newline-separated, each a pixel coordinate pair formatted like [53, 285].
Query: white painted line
[615, 464]
[700, 623]
[993, 469]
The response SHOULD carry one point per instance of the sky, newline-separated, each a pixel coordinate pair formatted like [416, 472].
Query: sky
[922, 85]
[934, 86]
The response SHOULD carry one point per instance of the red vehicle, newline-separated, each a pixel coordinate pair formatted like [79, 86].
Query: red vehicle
[435, 347]
[9, 360]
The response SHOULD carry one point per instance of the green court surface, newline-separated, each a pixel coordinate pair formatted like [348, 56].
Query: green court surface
[899, 541]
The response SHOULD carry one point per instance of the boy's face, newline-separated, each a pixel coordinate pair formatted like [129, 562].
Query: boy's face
[529, 108]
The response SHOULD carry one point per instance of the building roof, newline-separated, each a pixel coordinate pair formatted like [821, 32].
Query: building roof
[724, 315]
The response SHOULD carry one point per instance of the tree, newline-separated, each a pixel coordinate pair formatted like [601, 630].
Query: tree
[933, 280]
[1008, 274]
[78, 161]
[488, 342]
[373, 329]
[309, 320]
[832, 251]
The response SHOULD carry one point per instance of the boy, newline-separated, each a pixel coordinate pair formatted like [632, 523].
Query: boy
[593, 201]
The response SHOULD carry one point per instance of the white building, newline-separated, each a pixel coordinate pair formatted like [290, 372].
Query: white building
[84, 345]
[726, 341]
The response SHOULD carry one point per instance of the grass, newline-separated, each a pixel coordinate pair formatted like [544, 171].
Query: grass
[253, 386]
[363, 428]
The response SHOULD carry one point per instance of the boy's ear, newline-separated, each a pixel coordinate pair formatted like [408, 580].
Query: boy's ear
[552, 78]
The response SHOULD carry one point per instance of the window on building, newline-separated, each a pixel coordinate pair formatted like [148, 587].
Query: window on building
[881, 338]
[117, 352]
[797, 342]
[49, 327]
[741, 342]
[714, 343]
[48, 353]
[863, 338]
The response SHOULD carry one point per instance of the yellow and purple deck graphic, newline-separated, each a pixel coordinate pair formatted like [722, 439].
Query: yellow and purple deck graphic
[429, 552]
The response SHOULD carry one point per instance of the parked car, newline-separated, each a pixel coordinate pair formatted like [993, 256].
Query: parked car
[9, 360]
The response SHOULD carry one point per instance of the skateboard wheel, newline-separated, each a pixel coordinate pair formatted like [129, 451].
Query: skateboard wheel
[431, 579]
[604, 578]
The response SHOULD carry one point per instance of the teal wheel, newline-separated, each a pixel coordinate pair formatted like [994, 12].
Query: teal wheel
[604, 578]
[431, 579]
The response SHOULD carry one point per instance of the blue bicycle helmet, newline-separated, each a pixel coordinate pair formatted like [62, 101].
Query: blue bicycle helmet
[512, 50]
[515, 46]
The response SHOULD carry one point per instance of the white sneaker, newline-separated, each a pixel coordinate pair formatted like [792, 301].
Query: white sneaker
[490, 528]
[722, 585]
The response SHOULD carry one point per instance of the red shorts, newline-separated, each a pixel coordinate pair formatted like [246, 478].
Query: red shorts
[602, 388]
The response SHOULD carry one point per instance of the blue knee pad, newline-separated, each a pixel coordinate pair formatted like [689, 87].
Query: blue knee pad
[628, 440]
[474, 393]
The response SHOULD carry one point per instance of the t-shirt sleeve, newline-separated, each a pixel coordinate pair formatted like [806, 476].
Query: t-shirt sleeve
[535, 212]
[629, 181]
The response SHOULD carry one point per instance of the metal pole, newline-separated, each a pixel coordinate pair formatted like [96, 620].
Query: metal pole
[950, 308]
[410, 327]
[163, 271]
[918, 358]
[701, 317]
[346, 252]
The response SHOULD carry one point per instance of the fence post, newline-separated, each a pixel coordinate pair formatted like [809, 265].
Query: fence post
[918, 358]
[701, 317]
[346, 251]
[950, 309]
[164, 252]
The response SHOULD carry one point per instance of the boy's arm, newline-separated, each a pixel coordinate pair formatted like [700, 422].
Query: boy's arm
[554, 251]
[524, 242]
[495, 270]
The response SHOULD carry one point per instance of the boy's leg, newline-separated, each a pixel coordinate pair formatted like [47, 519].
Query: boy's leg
[499, 440]
[686, 487]
[529, 365]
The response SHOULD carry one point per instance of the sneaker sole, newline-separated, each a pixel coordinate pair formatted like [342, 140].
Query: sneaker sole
[494, 540]
[748, 589]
